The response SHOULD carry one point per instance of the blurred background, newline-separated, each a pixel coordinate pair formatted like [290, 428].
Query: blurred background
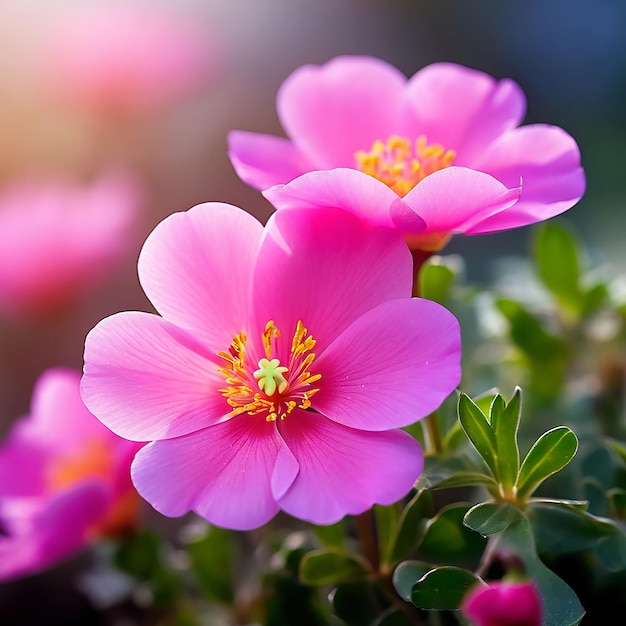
[73, 114]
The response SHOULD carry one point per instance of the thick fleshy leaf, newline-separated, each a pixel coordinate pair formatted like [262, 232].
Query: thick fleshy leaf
[343, 471]
[393, 366]
[549, 454]
[223, 473]
[443, 588]
[505, 419]
[196, 268]
[558, 264]
[560, 604]
[406, 575]
[489, 518]
[325, 267]
[489, 108]
[333, 110]
[478, 429]
[548, 161]
[146, 379]
[410, 527]
[435, 281]
[264, 160]
[342, 188]
[453, 200]
[330, 567]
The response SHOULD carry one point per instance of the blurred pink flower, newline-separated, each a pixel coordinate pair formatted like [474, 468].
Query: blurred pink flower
[57, 238]
[504, 604]
[441, 152]
[285, 361]
[64, 479]
[122, 58]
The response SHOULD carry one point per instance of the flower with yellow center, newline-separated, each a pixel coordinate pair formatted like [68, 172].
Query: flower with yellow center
[280, 370]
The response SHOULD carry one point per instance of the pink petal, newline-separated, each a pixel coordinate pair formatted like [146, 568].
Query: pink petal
[453, 200]
[393, 366]
[196, 268]
[336, 109]
[325, 267]
[463, 109]
[264, 160]
[344, 471]
[223, 473]
[341, 188]
[146, 379]
[41, 535]
[548, 161]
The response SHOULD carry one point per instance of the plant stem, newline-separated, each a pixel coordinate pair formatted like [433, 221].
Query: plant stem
[434, 440]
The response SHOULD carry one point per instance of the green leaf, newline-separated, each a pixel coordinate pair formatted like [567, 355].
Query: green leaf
[387, 518]
[563, 529]
[211, 556]
[448, 541]
[139, 555]
[558, 264]
[443, 588]
[549, 454]
[393, 617]
[460, 470]
[411, 525]
[406, 575]
[435, 281]
[330, 567]
[560, 604]
[358, 603]
[478, 429]
[489, 518]
[528, 334]
[332, 535]
[611, 551]
[505, 419]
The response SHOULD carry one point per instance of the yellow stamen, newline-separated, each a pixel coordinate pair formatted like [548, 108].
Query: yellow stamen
[401, 166]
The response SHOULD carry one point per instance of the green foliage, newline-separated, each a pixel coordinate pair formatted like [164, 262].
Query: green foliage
[329, 567]
[435, 280]
[442, 588]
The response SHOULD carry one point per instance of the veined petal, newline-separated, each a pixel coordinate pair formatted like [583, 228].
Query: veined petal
[454, 200]
[223, 473]
[393, 366]
[463, 109]
[344, 471]
[325, 267]
[341, 188]
[265, 160]
[333, 110]
[548, 161]
[196, 268]
[146, 379]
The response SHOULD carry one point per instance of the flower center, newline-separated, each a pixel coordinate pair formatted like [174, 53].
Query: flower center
[400, 165]
[273, 388]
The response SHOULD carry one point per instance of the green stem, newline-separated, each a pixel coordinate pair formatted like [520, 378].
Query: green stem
[434, 440]
[365, 526]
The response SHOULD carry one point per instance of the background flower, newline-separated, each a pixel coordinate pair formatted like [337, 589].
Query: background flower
[258, 326]
[64, 479]
[447, 127]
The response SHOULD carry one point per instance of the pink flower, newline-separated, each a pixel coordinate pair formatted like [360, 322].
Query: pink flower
[504, 604]
[284, 362]
[437, 154]
[123, 58]
[64, 479]
[57, 238]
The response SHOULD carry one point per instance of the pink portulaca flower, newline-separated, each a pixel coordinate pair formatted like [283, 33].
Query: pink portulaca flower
[58, 238]
[504, 604]
[121, 58]
[285, 361]
[64, 479]
[437, 154]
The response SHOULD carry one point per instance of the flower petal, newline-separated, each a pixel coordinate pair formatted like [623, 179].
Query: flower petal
[146, 379]
[196, 268]
[325, 267]
[453, 200]
[393, 366]
[344, 471]
[223, 473]
[336, 109]
[341, 188]
[548, 161]
[265, 160]
[463, 109]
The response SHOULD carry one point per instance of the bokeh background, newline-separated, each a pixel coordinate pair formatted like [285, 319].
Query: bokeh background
[569, 56]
